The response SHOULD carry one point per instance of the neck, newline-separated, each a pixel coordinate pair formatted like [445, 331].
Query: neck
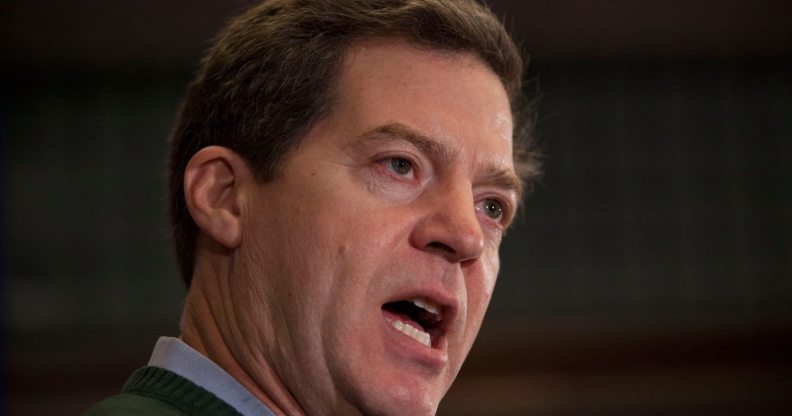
[209, 326]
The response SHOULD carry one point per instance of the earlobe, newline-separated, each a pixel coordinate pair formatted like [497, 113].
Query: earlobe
[211, 187]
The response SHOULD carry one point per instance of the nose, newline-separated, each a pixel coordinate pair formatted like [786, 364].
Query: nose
[450, 227]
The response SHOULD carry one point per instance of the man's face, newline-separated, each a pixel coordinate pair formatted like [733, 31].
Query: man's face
[365, 269]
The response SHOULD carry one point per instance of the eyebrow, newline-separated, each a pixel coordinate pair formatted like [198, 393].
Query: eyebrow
[505, 179]
[428, 145]
[496, 176]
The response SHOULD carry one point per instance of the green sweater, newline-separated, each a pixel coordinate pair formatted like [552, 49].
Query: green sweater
[159, 392]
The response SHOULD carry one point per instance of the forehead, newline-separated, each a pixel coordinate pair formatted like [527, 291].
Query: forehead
[451, 96]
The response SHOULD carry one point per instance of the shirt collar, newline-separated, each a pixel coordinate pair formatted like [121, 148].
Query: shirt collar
[176, 356]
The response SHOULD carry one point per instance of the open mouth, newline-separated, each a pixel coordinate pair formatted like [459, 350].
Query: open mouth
[417, 318]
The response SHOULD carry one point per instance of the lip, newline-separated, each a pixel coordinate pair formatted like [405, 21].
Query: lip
[435, 356]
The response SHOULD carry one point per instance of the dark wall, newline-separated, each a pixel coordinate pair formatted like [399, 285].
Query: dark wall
[668, 191]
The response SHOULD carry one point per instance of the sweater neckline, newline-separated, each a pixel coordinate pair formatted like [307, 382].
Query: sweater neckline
[179, 392]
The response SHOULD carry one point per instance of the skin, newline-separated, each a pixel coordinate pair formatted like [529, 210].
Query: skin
[385, 199]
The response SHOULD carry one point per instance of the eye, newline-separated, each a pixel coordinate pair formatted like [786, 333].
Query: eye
[399, 166]
[491, 208]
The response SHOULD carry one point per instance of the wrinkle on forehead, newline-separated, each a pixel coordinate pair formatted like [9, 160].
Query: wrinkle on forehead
[433, 98]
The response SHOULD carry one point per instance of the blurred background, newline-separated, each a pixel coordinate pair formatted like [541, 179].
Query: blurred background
[651, 274]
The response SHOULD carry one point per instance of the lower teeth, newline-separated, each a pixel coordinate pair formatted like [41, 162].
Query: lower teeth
[412, 332]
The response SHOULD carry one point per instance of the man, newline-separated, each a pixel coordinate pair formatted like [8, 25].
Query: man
[342, 173]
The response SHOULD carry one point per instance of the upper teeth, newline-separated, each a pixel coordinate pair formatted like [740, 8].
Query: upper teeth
[426, 304]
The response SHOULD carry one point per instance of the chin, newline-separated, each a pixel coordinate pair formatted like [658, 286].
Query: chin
[401, 401]
[398, 395]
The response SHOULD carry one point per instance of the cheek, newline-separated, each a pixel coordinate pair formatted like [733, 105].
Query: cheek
[481, 288]
[282, 255]
[490, 268]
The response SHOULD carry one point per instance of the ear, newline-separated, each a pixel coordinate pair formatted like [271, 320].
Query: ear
[212, 181]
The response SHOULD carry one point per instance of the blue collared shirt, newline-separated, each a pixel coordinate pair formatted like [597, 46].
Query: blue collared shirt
[174, 355]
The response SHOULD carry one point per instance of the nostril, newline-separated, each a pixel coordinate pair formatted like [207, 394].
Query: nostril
[436, 245]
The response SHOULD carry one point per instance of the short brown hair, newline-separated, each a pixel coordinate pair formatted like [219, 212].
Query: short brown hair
[270, 75]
